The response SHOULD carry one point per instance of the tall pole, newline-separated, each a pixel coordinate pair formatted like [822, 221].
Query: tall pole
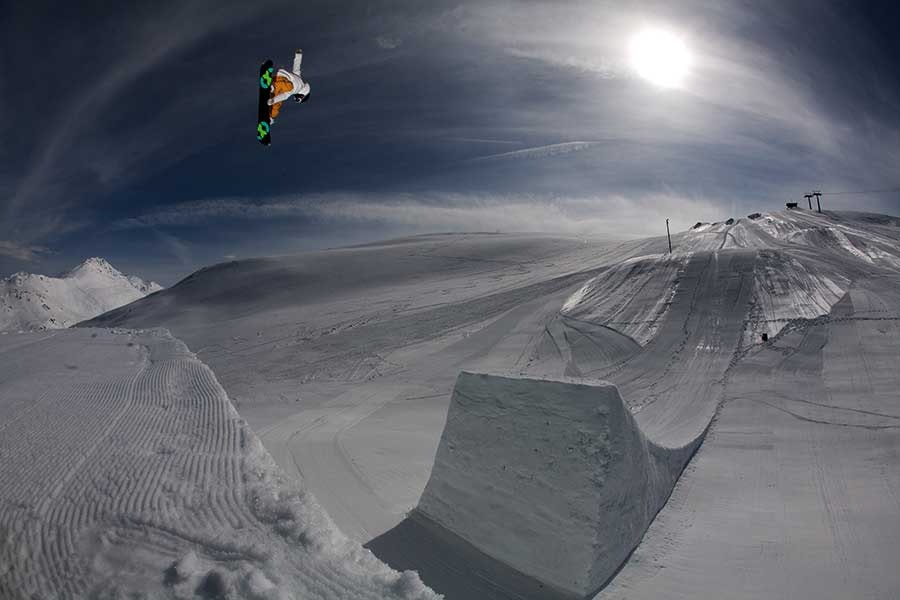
[818, 204]
[669, 235]
[808, 199]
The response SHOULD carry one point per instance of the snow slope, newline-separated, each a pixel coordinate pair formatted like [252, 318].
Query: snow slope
[566, 489]
[344, 362]
[794, 493]
[127, 473]
[609, 298]
[35, 302]
[805, 263]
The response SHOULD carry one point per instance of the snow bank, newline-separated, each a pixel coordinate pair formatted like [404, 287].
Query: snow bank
[128, 474]
[551, 477]
[33, 302]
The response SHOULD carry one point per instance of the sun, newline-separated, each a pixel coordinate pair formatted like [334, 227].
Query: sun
[660, 57]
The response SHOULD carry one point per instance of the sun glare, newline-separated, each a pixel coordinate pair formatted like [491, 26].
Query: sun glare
[660, 57]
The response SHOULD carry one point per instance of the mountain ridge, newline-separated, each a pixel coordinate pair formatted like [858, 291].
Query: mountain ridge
[32, 301]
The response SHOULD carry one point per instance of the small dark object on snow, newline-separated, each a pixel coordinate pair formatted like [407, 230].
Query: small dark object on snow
[729, 222]
[791, 204]
[754, 216]
[698, 225]
[213, 586]
[765, 337]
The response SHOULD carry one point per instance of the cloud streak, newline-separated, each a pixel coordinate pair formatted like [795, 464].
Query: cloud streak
[441, 115]
[157, 40]
[550, 150]
[25, 253]
[613, 216]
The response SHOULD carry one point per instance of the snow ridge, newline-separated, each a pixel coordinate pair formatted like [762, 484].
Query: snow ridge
[32, 302]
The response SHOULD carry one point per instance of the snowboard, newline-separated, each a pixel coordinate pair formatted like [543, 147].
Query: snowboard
[266, 81]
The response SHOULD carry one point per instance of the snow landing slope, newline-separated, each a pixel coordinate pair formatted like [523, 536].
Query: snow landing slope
[31, 302]
[795, 490]
[127, 473]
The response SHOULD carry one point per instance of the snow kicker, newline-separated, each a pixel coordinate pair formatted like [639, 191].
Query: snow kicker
[552, 478]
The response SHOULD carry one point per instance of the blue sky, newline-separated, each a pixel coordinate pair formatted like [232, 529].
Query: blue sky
[134, 137]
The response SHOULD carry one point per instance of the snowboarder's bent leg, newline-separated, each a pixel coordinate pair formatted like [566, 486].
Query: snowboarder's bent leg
[282, 88]
[276, 108]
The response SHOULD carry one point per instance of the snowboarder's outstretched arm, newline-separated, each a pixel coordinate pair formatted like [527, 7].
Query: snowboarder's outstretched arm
[298, 60]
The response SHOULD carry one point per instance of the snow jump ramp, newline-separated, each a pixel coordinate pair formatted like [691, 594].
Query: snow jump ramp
[540, 489]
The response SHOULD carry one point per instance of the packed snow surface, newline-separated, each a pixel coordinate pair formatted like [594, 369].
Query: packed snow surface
[564, 490]
[31, 302]
[127, 473]
[794, 493]
[344, 362]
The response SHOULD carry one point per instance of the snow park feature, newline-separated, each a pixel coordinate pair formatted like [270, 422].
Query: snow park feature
[562, 497]
[346, 364]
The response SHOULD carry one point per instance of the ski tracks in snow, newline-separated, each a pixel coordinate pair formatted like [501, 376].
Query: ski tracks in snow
[132, 460]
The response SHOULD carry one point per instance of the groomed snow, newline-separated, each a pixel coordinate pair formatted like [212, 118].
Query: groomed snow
[610, 299]
[31, 302]
[794, 493]
[344, 362]
[552, 478]
[127, 473]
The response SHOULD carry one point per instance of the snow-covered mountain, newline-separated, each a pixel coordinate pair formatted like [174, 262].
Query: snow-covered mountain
[33, 302]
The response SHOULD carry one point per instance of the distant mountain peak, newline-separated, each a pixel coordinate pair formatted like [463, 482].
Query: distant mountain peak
[96, 264]
[31, 301]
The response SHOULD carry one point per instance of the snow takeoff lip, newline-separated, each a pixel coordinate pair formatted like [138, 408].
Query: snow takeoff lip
[552, 478]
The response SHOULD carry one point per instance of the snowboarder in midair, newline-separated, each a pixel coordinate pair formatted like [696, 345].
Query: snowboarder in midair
[288, 84]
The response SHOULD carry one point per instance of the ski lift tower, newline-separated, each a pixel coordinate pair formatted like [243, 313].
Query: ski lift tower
[818, 204]
[808, 199]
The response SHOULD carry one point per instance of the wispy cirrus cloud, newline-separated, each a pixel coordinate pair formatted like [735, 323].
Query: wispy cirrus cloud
[388, 42]
[23, 252]
[614, 216]
[537, 152]
[597, 65]
[154, 40]
[525, 119]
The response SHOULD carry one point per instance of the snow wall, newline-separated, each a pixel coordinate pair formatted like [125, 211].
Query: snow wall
[550, 477]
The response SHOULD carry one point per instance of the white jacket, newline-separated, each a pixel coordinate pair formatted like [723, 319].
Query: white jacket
[299, 86]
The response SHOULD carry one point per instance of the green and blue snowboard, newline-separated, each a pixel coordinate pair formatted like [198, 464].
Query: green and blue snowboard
[266, 81]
